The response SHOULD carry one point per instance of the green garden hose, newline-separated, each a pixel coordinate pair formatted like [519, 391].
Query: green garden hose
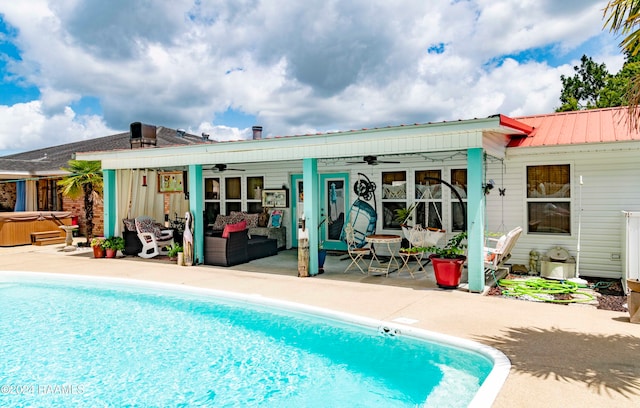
[540, 289]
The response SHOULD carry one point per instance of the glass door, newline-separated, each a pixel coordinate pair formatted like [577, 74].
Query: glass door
[334, 196]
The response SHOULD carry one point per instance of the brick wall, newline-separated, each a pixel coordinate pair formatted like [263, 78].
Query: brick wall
[8, 196]
[76, 206]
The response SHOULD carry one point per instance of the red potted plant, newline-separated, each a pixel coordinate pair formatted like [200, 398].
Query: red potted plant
[112, 245]
[448, 261]
[97, 244]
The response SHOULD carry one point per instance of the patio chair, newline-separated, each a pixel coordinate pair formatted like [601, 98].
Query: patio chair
[498, 251]
[354, 248]
[419, 240]
[154, 239]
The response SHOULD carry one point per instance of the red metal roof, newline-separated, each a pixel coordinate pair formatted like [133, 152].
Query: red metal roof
[577, 127]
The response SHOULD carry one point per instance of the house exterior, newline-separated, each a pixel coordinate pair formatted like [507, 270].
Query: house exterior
[588, 163]
[40, 170]
[566, 178]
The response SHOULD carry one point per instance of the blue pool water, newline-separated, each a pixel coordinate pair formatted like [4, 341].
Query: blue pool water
[103, 343]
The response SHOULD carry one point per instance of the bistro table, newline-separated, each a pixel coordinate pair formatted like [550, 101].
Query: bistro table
[376, 265]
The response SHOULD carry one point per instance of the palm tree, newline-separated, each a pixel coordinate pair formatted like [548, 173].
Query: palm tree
[623, 17]
[85, 178]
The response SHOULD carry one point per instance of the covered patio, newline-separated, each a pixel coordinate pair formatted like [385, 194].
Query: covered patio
[466, 143]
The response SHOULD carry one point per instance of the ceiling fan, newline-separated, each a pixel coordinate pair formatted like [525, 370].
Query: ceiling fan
[223, 167]
[373, 161]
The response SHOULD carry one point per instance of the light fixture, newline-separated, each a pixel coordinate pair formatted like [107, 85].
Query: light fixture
[144, 179]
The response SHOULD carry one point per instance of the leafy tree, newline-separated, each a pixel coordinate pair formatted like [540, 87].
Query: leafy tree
[582, 90]
[85, 178]
[623, 17]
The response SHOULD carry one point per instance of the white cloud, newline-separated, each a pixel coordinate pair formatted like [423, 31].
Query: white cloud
[299, 67]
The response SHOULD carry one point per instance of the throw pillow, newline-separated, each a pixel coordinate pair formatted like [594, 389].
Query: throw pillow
[241, 226]
[236, 217]
[130, 224]
[252, 220]
[221, 221]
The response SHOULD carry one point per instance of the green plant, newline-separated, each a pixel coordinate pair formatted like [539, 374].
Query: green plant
[404, 214]
[453, 249]
[116, 243]
[97, 242]
[173, 249]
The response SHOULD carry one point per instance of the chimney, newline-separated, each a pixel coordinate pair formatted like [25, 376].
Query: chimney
[257, 132]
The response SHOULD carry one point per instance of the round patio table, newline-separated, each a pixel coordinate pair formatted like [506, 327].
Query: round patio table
[389, 240]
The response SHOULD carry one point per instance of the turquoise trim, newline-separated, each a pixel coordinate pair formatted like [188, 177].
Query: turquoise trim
[475, 219]
[110, 197]
[294, 209]
[311, 209]
[334, 245]
[196, 207]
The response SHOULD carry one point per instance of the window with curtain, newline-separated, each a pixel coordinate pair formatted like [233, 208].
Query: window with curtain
[549, 199]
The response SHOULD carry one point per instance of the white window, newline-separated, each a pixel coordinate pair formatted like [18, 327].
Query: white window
[549, 199]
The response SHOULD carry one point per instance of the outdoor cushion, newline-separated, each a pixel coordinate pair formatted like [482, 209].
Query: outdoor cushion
[221, 221]
[242, 225]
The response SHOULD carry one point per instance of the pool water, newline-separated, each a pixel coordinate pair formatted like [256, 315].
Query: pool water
[107, 344]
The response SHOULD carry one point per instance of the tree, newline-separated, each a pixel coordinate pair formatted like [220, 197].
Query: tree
[85, 178]
[623, 17]
[582, 91]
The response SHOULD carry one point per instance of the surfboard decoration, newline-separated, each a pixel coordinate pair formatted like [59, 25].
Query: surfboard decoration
[362, 216]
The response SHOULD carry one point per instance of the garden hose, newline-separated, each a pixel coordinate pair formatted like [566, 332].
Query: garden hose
[540, 289]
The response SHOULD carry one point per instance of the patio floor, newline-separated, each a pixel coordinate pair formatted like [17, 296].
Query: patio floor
[561, 355]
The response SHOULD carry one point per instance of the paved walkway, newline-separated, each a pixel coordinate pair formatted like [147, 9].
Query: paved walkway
[561, 355]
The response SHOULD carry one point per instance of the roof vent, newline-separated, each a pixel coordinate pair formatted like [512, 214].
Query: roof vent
[257, 132]
[181, 132]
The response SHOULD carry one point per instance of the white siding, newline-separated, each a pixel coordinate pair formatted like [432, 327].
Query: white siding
[611, 184]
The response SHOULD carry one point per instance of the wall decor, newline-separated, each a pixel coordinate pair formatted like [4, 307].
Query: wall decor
[275, 198]
[170, 182]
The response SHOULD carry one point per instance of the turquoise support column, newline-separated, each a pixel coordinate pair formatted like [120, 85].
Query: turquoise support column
[196, 206]
[311, 209]
[109, 199]
[475, 218]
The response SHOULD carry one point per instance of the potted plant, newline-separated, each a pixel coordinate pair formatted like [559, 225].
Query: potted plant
[173, 250]
[112, 245]
[97, 244]
[448, 261]
[403, 215]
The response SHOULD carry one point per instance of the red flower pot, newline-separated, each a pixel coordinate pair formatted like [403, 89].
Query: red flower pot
[98, 252]
[448, 271]
[111, 253]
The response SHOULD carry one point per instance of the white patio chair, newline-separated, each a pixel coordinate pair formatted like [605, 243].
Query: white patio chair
[498, 251]
[421, 239]
[153, 238]
[356, 252]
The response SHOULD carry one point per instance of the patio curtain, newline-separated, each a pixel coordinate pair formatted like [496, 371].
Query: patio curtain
[20, 196]
[31, 198]
[134, 200]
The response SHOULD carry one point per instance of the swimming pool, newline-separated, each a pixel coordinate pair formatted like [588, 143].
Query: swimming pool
[73, 341]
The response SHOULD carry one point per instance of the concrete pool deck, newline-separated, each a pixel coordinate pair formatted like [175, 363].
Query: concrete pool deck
[561, 355]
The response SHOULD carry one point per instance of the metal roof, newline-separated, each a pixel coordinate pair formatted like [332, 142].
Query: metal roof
[577, 127]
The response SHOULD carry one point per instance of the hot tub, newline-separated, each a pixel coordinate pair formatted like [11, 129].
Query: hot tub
[16, 227]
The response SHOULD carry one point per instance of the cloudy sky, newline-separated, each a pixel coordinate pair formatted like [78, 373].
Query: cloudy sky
[77, 69]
